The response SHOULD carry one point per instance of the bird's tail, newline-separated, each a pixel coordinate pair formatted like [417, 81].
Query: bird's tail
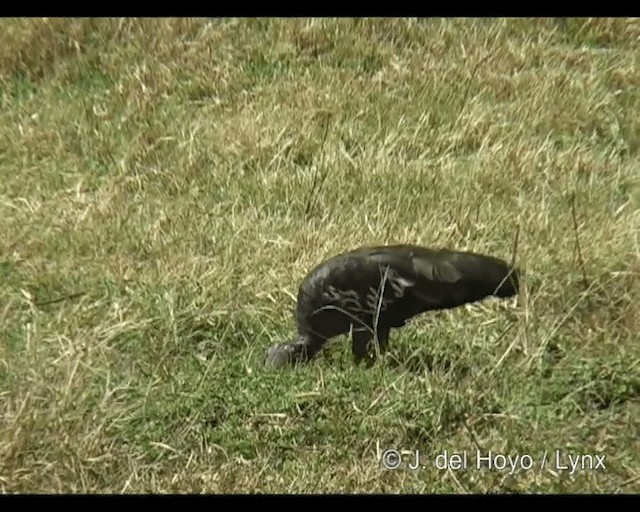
[489, 275]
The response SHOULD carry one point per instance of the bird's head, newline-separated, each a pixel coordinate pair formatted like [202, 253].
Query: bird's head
[286, 354]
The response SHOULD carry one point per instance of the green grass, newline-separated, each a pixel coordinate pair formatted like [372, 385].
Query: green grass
[183, 176]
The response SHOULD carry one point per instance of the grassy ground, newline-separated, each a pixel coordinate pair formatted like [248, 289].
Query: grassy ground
[165, 185]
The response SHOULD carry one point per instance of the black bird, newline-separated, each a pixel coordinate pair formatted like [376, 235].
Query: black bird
[369, 291]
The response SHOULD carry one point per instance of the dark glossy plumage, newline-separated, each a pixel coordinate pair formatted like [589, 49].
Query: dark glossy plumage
[342, 295]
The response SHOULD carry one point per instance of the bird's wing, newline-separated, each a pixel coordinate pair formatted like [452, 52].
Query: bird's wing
[418, 265]
[423, 274]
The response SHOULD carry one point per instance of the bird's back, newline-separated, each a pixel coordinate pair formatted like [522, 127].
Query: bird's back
[345, 289]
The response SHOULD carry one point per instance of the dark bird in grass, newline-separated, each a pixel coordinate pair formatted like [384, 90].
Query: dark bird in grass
[369, 291]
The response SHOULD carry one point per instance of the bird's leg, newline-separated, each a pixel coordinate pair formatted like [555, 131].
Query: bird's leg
[382, 341]
[360, 347]
[359, 342]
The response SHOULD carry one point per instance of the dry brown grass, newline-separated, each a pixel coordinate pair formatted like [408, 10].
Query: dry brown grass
[165, 171]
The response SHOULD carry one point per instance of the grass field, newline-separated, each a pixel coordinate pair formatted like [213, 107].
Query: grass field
[166, 184]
